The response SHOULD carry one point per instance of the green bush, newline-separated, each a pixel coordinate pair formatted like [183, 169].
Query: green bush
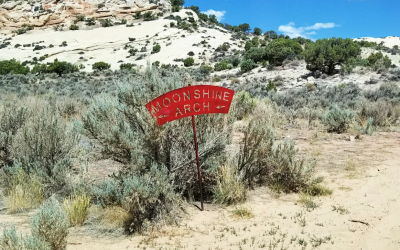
[378, 61]
[374, 57]
[248, 46]
[337, 120]
[188, 62]
[126, 66]
[148, 16]
[50, 224]
[325, 54]
[221, 66]
[58, 67]
[90, 21]
[205, 70]
[12, 66]
[280, 49]
[106, 23]
[255, 54]
[74, 27]
[156, 49]
[224, 47]
[270, 86]
[257, 31]
[247, 65]
[100, 66]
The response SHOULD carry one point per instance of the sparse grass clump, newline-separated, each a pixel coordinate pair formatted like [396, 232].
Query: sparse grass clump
[77, 207]
[229, 189]
[25, 191]
[243, 211]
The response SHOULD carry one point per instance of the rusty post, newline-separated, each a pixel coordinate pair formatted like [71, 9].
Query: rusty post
[198, 163]
[197, 158]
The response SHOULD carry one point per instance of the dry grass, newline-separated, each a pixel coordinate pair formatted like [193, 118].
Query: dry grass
[110, 216]
[243, 211]
[77, 208]
[352, 168]
[26, 192]
[229, 190]
[308, 201]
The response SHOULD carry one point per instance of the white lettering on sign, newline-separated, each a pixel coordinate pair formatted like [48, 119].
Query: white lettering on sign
[173, 98]
[169, 102]
[197, 94]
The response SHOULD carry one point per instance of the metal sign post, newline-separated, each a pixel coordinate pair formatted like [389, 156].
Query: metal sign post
[198, 163]
[191, 101]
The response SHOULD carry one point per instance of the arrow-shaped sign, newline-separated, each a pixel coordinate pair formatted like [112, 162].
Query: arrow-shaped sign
[220, 107]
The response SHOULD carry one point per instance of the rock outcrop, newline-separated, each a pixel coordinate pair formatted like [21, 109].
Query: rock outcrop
[14, 14]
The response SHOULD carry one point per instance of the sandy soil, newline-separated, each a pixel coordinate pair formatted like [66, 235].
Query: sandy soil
[364, 175]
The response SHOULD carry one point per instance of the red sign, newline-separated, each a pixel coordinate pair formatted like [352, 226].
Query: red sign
[189, 101]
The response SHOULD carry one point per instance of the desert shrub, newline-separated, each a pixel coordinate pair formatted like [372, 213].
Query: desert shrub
[247, 65]
[224, 47]
[12, 66]
[254, 151]
[279, 49]
[289, 173]
[132, 51]
[156, 49]
[148, 16]
[270, 86]
[50, 224]
[257, 31]
[12, 117]
[77, 207]
[24, 192]
[205, 70]
[58, 67]
[382, 113]
[337, 120]
[90, 21]
[41, 147]
[255, 54]
[33, 243]
[243, 104]
[221, 66]
[188, 62]
[74, 27]
[127, 133]
[79, 18]
[216, 79]
[325, 54]
[10, 240]
[126, 66]
[150, 198]
[248, 46]
[106, 23]
[100, 66]
[279, 167]
[377, 59]
[229, 189]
